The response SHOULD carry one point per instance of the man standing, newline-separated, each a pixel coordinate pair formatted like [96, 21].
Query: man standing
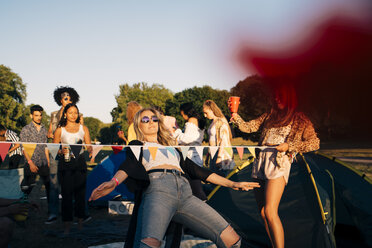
[35, 132]
[15, 151]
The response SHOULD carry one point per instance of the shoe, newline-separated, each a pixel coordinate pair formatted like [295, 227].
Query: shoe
[85, 219]
[51, 219]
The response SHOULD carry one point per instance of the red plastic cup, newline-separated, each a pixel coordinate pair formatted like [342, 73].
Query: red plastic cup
[234, 103]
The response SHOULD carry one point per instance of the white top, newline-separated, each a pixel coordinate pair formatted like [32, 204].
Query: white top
[164, 155]
[72, 138]
[193, 136]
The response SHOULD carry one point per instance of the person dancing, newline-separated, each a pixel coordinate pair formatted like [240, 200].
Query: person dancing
[166, 192]
[288, 132]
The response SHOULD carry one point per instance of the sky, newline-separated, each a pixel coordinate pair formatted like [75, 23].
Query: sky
[94, 46]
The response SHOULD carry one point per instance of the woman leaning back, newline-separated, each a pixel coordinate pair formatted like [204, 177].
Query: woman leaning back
[166, 190]
[288, 132]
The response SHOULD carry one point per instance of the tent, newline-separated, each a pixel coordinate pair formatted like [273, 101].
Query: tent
[104, 172]
[319, 193]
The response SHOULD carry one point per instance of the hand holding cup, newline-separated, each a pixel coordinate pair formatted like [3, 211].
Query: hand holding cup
[233, 104]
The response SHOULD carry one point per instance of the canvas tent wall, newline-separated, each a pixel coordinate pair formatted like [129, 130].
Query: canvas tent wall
[306, 209]
[104, 172]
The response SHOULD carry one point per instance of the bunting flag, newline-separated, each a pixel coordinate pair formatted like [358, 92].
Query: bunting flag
[95, 151]
[240, 152]
[117, 149]
[153, 150]
[4, 148]
[136, 151]
[171, 150]
[53, 149]
[213, 150]
[29, 149]
[184, 150]
[229, 150]
[199, 150]
[76, 149]
[164, 151]
[146, 154]
[252, 150]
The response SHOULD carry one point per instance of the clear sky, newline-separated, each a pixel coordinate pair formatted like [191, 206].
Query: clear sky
[94, 45]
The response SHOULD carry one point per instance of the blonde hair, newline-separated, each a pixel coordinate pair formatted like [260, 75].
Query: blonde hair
[217, 112]
[132, 108]
[164, 137]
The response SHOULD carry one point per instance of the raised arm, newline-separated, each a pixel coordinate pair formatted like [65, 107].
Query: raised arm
[249, 126]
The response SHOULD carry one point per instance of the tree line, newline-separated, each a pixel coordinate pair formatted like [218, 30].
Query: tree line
[255, 99]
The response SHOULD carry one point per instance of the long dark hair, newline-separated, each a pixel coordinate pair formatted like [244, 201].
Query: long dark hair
[63, 121]
[282, 117]
[188, 109]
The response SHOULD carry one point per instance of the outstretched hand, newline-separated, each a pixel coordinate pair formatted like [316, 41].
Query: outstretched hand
[102, 190]
[245, 185]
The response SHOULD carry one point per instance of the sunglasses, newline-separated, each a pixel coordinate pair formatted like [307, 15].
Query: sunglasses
[147, 119]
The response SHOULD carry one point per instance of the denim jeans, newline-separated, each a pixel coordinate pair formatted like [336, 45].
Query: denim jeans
[53, 206]
[169, 197]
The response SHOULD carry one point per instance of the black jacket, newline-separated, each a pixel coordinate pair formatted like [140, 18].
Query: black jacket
[138, 180]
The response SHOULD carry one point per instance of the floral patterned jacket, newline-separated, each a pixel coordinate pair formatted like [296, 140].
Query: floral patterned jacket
[302, 137]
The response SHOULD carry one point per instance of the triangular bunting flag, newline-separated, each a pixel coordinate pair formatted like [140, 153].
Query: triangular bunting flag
[213, 150]
[53, 149]
[146, 154]
[252, 150]
[95, 151]
[29, 149]
[4, 148]
[171, 150]
[117, 149]
[136, 151]
[229, 151]
[153, 150]
[240, 152]
[199, 150]
[184, 150]
[76, 149]
[164, 151]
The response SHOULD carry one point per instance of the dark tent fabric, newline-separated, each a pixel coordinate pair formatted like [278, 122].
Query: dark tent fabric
[104, 172]
[306, 209]
[353, 193]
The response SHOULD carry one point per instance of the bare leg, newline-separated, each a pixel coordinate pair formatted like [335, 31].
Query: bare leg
[229, 236]
[151, 242]
[259, 194]
[273, 193]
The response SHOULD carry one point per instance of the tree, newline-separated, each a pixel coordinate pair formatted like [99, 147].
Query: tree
[94, 125]
[12, 99]
[142, 93]
[197, 95]
[255, 99]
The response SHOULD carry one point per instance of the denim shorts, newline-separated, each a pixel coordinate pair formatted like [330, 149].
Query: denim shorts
[169, 197]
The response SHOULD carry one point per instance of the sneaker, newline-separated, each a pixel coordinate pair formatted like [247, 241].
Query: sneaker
[85, 220]
[51, 219]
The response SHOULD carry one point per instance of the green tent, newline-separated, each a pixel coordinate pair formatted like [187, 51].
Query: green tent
[318, 188]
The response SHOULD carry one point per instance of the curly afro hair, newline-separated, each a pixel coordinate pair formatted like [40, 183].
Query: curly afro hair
[71, 91]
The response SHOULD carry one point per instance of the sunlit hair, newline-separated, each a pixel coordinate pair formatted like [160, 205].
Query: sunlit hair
[63, 121]
[217, 112]
[164, 137]
[132, 109]
[286, 93]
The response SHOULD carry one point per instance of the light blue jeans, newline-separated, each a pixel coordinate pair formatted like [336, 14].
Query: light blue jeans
[169, 197]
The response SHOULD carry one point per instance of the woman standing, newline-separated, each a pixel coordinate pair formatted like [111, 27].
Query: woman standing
[132, 108]
[288, 132]
[166, 191]
[219, 135]
[192, 136]
[72, 168]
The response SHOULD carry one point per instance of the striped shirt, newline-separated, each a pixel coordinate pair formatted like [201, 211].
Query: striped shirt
[13, 137]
